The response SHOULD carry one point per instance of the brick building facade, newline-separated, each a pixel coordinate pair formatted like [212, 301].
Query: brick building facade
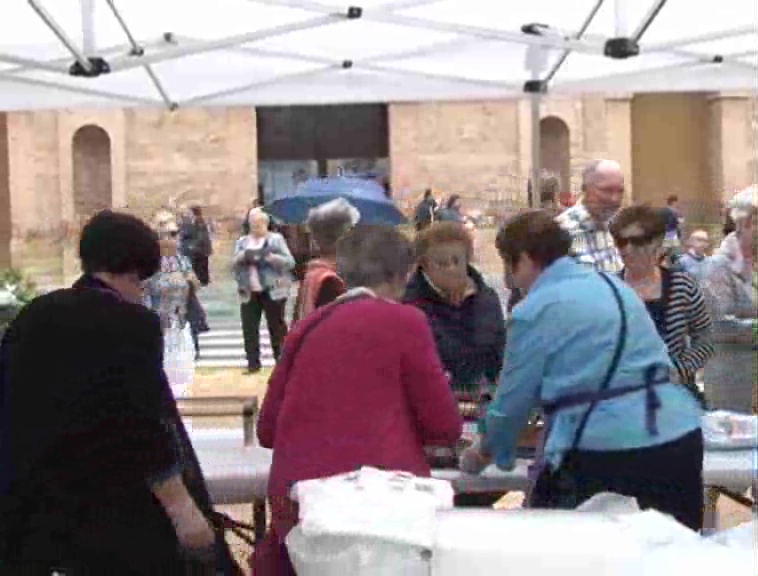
[57, 166]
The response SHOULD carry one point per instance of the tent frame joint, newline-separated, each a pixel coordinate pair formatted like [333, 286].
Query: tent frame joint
[621, 48]
[535, 87]
[97, 67]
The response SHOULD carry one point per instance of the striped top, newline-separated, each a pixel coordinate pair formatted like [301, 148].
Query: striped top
[591, 242]
[686, 327]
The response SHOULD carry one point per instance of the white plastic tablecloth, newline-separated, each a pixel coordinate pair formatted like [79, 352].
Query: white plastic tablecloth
[238, 474]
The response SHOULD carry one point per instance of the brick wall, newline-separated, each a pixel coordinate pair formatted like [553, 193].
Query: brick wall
[471, 149]
[482, 150]
[205, 156]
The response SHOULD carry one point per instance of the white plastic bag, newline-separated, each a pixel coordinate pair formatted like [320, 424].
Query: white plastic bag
[610, 503]
[394, 506]
[345, 555]
[729, 430]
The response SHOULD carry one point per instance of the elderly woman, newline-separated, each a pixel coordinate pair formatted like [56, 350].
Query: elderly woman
[167, 293]
[102, 478]
[321, 284]
[464, 313]
[388, 399]
[730, 287]
[263, 269]
[583, 347]
[673, 298]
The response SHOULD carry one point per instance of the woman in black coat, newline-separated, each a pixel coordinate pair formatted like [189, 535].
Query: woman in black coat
[97, 475]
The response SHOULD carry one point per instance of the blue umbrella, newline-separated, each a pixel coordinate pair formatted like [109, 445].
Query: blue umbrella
[367, 196]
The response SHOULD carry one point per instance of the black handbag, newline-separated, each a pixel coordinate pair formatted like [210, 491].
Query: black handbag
[557, 488]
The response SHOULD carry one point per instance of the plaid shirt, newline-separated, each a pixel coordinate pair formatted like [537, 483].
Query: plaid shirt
[592, 243]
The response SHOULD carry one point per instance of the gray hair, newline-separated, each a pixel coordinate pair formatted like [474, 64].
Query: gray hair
[373, 255]
[329, 222]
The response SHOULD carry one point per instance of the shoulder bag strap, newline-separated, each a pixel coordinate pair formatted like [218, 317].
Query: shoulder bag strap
[620, 345]
[329, 310]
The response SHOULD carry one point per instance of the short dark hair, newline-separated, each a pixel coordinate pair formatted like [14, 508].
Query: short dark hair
[536, 234]
[427, 193]
[651, 220]
[119, 243]
[373, 255]
[443, 233]
[673, 199]
[452, 200]
[550, 187]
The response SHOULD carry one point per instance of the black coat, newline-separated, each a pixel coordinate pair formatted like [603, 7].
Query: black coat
[86, 419]
[470, 338]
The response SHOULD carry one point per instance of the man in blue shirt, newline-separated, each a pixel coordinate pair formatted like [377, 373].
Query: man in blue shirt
[642, 437]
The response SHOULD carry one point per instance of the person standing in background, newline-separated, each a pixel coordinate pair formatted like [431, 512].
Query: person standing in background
[321, 284]
[263, 268]
[424, 215]
[587, 221]
[452, 212]
[692, 260]
[195, 242]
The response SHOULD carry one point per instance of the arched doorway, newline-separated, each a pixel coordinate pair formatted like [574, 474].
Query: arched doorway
[555, 147]
[93, 181]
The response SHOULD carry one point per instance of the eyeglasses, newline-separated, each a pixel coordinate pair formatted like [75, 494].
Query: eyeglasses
[173, 233]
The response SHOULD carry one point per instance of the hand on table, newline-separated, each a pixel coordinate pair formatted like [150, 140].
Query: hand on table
[472, 461]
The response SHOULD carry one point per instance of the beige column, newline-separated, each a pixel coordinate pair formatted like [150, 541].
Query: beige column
[732, 147]
[618, 125]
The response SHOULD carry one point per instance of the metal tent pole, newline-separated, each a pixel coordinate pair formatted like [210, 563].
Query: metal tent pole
[61, 34]
[89, 42]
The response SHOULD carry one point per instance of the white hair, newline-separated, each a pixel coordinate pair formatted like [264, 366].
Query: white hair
[744, 204]
[259, 214]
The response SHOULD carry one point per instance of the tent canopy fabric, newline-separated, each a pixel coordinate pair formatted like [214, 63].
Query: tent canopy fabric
[288, 52]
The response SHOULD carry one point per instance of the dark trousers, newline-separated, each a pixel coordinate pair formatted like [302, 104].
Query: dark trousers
[200, 268]
[667, 478]
[251, 312]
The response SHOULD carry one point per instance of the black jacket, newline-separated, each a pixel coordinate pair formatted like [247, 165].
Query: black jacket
[87, 419]
[471, 338]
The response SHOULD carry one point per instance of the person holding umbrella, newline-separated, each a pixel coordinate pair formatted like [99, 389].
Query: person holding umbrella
[263, 267]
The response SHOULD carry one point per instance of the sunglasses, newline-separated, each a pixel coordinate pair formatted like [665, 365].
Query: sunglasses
[638, 241]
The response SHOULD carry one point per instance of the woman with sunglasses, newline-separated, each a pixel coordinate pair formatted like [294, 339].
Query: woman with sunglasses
[673, 299]
[167, 293]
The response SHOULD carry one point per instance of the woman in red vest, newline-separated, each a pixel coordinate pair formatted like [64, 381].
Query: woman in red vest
[321, 284]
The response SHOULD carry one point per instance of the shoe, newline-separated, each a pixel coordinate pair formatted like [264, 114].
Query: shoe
[253, 370]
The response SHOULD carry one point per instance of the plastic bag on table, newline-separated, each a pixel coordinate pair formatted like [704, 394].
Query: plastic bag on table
[395, 506]
[743, 536]
[343, 555]
[610, 503]
[729, 430]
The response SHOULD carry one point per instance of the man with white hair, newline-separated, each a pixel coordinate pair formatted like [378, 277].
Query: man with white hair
[587, 221]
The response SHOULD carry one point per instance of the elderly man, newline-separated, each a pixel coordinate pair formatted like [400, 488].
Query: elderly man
[697, 248]
[587, 221]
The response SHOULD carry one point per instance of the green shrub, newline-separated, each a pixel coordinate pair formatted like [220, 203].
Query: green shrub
[16, 291]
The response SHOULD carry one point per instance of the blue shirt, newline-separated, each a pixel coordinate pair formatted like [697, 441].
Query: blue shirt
[562, 338]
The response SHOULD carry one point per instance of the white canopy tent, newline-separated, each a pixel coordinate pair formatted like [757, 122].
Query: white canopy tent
[180, 53]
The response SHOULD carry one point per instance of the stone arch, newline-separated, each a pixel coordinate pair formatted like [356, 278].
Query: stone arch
[93, 176]
[555, 148]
